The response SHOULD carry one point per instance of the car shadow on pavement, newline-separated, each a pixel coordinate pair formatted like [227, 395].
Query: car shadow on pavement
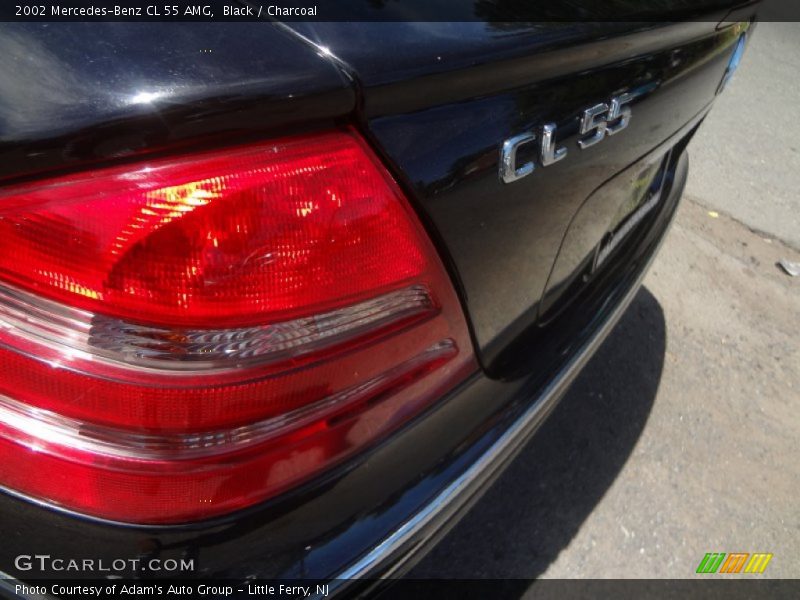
[538, 505]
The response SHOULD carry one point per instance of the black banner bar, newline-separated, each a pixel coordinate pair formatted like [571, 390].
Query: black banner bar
[737, 587]
[394, 10]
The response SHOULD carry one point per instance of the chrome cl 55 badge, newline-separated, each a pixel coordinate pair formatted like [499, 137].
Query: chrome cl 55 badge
[597, 122]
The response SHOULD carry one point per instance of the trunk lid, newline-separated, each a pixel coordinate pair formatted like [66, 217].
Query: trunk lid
[442, 98]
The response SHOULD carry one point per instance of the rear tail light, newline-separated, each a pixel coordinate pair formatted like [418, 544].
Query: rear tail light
[188, 337]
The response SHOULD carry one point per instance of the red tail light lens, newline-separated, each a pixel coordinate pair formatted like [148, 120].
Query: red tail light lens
[186, 337]
[260, 233]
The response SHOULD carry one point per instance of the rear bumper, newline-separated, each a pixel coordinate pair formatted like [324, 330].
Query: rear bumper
[407, 544]
[370, 519]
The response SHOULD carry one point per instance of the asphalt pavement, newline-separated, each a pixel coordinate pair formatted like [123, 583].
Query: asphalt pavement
[681, 436]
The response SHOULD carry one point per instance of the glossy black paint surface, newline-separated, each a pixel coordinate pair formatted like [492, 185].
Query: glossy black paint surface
[440, 116]
[73, 94]
[437, 100]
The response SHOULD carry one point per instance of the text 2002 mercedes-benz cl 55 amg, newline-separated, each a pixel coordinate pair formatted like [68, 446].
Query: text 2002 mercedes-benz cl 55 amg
[287, 306]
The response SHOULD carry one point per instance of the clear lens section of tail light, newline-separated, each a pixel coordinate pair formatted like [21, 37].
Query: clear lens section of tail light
[190, 336]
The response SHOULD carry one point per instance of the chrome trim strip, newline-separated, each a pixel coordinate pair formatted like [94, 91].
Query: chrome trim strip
[511, 440]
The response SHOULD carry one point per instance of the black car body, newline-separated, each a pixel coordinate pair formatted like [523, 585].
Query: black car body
[535, 263]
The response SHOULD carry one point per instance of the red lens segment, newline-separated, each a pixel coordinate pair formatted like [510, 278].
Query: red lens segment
[293, 227]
